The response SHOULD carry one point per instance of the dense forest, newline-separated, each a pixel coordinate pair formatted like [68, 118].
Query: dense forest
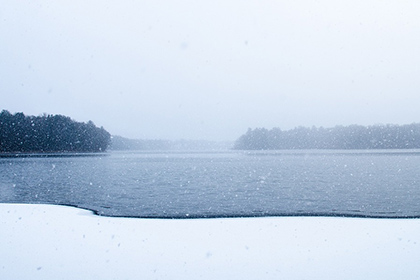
[338, 137]
[49, 133]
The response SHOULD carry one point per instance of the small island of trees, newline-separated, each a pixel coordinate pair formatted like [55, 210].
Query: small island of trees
[338, 137]
[49, 134]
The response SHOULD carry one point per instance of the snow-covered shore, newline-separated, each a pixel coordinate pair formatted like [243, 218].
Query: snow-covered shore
[58, 242]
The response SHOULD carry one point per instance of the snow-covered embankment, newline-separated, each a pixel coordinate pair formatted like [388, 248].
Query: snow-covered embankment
[58, 242]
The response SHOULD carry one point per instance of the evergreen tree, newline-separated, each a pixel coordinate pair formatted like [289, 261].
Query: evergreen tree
[339, 137]
[49, 133]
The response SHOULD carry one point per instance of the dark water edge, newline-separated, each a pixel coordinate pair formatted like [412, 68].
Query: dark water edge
[51, 155]
[332, 152]
[227, 216]
[288, 152]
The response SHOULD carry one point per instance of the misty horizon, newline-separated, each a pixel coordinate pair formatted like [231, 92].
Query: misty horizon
[209, 70]
[220, 141]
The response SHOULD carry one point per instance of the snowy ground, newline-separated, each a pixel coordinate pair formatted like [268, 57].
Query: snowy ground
[57, 242]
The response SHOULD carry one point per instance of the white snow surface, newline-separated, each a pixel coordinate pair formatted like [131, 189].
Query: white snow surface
[59, 242]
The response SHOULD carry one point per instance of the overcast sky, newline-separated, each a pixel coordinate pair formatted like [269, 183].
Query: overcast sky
[211, 69]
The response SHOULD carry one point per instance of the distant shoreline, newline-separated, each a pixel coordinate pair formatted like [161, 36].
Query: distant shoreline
[338, 137]
[50, 154]
[285, 152]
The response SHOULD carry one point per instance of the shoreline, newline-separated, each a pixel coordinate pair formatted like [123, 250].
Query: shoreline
[231, 216]
[51, 154]
[60, 242]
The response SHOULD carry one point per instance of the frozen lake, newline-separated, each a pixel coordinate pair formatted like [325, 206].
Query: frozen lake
[221, 184]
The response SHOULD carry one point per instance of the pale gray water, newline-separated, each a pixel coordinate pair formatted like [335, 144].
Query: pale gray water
[209, 184]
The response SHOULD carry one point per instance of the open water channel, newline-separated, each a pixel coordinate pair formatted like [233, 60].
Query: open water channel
[220, 184]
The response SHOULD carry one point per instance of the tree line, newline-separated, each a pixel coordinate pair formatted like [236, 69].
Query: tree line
[49, 133]
[338, 137]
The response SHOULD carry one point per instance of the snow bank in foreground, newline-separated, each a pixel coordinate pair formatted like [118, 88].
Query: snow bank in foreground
[57, 242]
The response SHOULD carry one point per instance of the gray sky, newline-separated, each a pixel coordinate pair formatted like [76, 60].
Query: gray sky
[211, 69]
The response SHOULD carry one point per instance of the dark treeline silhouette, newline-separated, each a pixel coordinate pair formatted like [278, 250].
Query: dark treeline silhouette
[49, 133]
[338, 137]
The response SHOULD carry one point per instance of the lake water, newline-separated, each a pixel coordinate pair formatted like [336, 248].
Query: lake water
[221, 184]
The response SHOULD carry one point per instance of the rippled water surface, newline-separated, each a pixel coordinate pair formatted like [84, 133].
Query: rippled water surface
[210, 184]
